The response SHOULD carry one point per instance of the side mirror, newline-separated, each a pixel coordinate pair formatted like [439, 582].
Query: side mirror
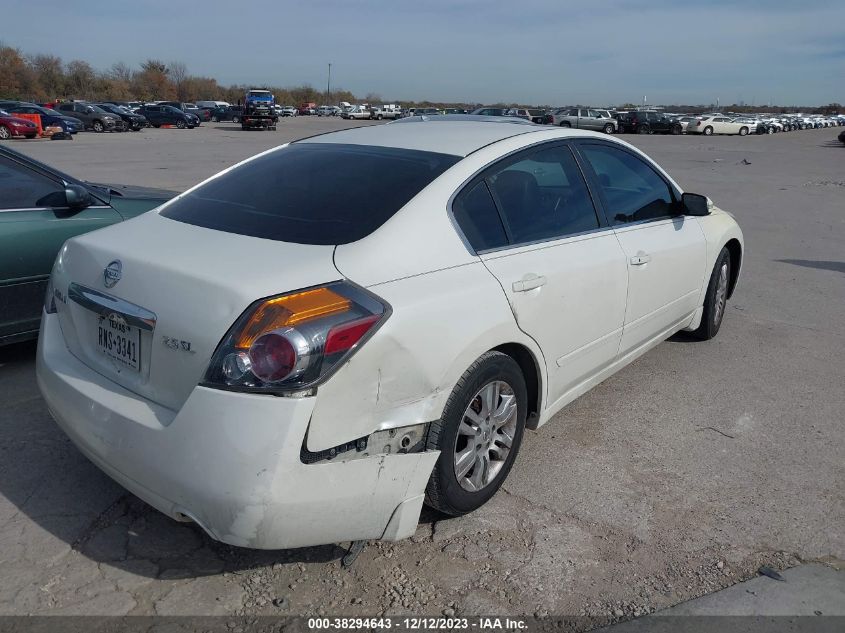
[695, 204]
[77, 198]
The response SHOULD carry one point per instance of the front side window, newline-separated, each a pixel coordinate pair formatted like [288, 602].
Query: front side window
[311, 193]
[543, 196]
[632, 190]
[22, 188]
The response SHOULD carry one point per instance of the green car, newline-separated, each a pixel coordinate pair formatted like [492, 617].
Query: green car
[40, 208]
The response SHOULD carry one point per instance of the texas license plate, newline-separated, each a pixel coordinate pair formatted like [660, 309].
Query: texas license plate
[119, 341]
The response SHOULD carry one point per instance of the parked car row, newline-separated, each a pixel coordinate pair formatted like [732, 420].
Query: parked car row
[105, 116]
[658, 122]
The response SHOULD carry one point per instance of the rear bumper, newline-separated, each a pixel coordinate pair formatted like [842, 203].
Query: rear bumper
[229, 461]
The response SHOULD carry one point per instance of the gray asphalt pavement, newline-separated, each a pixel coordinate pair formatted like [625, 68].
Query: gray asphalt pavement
[679, 476]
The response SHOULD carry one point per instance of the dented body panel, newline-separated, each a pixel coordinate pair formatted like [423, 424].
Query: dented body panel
[238, 476]
[404, 375]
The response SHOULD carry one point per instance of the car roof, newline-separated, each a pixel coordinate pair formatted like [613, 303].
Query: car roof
[443, 134]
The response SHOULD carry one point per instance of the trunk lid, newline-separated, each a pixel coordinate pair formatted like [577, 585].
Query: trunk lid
[180, 289]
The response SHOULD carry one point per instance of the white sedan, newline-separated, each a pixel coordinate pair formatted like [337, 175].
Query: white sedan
[311, 344]
[718, 125]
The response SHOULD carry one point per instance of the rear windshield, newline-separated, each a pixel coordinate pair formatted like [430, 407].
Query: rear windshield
[312, 193]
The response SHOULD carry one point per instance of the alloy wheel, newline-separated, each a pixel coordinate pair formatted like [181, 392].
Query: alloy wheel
[485, 435]
[721, 295]
[5, 133]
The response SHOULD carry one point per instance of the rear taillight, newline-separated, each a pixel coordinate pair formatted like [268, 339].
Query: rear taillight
[290, 343]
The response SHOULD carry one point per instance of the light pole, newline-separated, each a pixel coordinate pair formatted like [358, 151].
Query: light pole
[329, 86]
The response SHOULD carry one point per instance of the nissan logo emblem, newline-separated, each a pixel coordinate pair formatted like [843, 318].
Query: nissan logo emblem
[112, 273]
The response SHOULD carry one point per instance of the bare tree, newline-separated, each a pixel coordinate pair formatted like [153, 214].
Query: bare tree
[80, 80]
[178, 74]
[154, 66]
[50, 74]
[120, 72]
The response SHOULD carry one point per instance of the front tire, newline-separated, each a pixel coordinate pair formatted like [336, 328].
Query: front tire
[716, 299]
[608, 128]
[97, 126]
[708, 131]
[180, 124]
[5, 134]
[743, 131]
[478, 435]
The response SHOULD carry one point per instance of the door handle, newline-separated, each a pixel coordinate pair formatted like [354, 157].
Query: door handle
[640, 258]
[529, 282]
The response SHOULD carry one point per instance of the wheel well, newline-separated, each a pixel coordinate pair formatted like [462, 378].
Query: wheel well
[525, 359]
[735, 251]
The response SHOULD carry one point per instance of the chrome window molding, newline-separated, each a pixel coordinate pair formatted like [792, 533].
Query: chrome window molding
[98, 206]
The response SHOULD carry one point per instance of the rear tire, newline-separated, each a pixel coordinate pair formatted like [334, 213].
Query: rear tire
[565, 124]
[677, 129]
[716, 299]
[236, 119]
[643, 129]
[482, 439]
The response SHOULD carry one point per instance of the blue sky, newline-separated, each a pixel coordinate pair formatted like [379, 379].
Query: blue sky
[529, 51]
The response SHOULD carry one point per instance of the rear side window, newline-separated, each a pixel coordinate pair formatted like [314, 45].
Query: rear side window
[476, 214]
[543, 196]
[312, 193]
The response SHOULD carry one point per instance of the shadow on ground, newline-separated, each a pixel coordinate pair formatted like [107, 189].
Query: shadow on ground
[838, 267]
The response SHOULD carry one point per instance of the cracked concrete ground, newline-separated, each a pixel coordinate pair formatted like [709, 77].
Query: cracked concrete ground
[680, 475]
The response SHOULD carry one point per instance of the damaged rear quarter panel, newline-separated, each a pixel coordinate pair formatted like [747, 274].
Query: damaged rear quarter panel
[441, 322]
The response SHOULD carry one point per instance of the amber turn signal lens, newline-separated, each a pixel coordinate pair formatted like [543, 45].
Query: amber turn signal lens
[289, 311]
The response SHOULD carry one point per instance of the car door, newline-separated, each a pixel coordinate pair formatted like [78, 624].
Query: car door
[558, 262]
[596, 120]
[34, 223]
[721, 125]
[665, 251]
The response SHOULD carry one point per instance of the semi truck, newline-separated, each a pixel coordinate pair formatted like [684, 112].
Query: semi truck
[259, 110]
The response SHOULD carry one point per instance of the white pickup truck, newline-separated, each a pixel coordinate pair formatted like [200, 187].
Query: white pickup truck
[356, 112]
[385, 112]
